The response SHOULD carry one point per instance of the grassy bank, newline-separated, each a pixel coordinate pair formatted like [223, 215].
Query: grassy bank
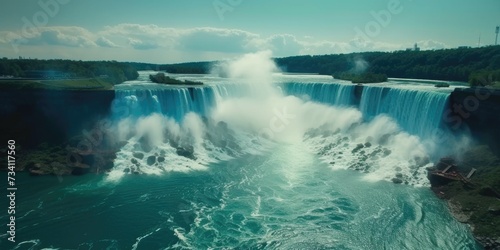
[63, 84]
[476, 203]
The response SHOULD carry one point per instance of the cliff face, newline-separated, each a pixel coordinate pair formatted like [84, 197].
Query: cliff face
[31, 117]
[479, 109]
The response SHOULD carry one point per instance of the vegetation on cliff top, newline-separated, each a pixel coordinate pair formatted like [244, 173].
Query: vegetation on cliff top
[478, 66]
[446, 64]
[361, 78]
[478, 201]
[114, 72]
[442, 85]
[60, 84]
[485, 77]
[163, 79]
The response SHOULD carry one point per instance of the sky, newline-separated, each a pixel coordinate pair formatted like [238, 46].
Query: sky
[171, 31]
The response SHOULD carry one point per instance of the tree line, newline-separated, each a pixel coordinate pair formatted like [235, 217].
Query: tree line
[114, 72]
[479, 66]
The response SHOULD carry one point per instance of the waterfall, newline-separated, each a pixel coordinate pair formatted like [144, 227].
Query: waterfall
[173, 102]
[327, 93]
[417, 112]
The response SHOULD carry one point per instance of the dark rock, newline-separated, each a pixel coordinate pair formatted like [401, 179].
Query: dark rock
[387, 152]
[397, 180]
[138, 155]
[134, 161]
[368, 144]
[399, 175]
[127, 170]
[187, 152]
[161, 159]
[357, 148]
[151, 160]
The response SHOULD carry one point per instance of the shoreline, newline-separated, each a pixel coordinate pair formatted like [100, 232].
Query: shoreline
[474, 201]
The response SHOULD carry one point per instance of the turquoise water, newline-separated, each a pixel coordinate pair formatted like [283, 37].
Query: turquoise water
[240, 190]
[283, 199]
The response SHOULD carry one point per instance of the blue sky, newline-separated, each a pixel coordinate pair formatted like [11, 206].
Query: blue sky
[162, 31]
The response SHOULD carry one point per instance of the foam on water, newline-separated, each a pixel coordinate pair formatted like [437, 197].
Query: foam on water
[340, 136]
[250, 164]
[391, 135]
[417, 112]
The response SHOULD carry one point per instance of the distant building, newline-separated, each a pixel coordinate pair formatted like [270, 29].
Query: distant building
[415, 48]
[497, 30]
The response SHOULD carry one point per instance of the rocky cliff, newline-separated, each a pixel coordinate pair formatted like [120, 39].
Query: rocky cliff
[34, 116]
[479, 110]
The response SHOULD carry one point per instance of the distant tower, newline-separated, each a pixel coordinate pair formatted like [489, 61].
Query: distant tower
[416, 48]
[479, 42]
[496, 31]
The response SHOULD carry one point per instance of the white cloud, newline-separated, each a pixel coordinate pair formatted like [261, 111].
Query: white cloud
[283, 45]
[106, 43]
[69, 36]
[142, 36]
[142, 45]
[56, 37]
[202, 43]
[360, 45]
[139, 30]
[430, 45]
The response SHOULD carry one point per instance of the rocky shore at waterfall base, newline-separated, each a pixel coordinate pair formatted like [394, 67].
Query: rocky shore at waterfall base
[95, 152]
[473, 200]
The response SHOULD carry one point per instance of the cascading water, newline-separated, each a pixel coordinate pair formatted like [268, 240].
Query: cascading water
[327, 93]
[171, 102]
[206, 177]
[384, 137]
[417, 112]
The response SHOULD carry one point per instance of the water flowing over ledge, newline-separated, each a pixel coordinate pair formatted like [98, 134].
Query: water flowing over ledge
[209, 180]
[418, 112]
[349, 126]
